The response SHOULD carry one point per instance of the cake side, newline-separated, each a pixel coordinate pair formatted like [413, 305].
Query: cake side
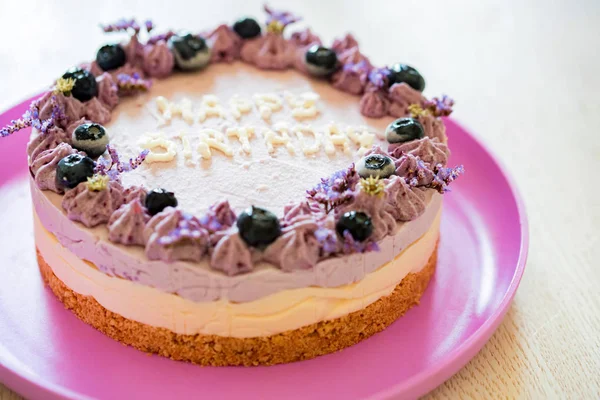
[197, 281]
[300, 344]
[275, 313]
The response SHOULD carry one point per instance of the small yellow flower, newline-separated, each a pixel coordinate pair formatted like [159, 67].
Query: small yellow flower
[416, 110]
[275, 27]
[97, 182]
[64, 86]
[373, 186]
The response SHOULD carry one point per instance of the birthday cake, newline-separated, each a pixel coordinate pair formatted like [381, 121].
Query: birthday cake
[237, 196]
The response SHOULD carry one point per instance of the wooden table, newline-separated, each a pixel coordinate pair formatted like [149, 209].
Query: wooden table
[526, 78]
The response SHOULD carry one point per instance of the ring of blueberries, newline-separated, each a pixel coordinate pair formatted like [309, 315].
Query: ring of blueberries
[257, 227]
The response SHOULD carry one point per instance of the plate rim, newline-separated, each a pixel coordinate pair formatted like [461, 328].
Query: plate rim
[22, 381]
[422, 383]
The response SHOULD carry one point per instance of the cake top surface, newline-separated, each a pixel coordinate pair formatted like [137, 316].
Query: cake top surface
[318, 141]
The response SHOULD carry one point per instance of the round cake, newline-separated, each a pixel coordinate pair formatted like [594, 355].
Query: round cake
[238, 196]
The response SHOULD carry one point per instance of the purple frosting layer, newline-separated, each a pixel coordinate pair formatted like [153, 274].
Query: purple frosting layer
[270, 51]
[225, 44]
[90, 207]
[197, 281]
[127, 223]
[44, 167]
[174, 235]
[157, 60]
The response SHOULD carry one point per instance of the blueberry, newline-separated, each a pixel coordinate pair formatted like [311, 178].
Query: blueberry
[85, 84]
[91, 138]
[357, 223]
[190, 52]
[399, 73]
[375, 165]
[320, 61]
[159, 199]
[111, 56]
[247, 28]
[404, 130]
[258, 227]
[74, 169]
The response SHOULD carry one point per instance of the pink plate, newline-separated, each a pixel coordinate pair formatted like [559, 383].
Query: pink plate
[46, 352]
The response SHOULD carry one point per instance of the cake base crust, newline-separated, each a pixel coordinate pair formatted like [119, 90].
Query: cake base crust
[300, 344]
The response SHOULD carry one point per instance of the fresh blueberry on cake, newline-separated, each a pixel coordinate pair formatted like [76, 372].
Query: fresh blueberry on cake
[247, 28]
[320, 60]
[376, 165]
[110, 57]
[159, 199]
[402, 73]
[84, 86]
[190, 52]
[73, 170]
[309, 184]
[90, 138]
[404, 130]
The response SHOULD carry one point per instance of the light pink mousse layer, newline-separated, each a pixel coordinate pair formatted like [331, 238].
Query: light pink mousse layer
[196, 281]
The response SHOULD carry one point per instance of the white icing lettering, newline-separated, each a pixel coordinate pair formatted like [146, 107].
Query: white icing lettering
[361, 137]
[267, 103]
[278, 136]
[169, 109]
[239, 106]
[243, 133]
[303, 105]
[307, 149]
[210, 107]
[332, 136]
[212, 139]
[153, 141]
[187, 148]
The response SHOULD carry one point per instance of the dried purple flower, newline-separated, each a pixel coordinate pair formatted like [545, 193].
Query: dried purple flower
[189, 229]
[352, 246]
[149, 25]
[361, 67]
[219, 217]
[328, 241]
[161, 37]
[335, 190]
[378, 77]
[444, 176]
[113, 167]
[122, 25]
[439, 107]
[31, 118]
[129, 84]
[278, 20]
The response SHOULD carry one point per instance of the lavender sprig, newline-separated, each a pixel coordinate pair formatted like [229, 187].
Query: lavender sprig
[439, 107]
[280, 17]
[160, 37]
[149, 25]
[129, 84]
[328, 241]
[335, 190]
[113, 166]
[378, 77]
[442, 177]
[31, 118]
[122, 25]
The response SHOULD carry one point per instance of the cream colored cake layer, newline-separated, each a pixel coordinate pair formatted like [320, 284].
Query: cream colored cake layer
[270, 315]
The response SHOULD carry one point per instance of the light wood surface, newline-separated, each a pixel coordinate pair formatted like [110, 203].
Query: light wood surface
[525, 75]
